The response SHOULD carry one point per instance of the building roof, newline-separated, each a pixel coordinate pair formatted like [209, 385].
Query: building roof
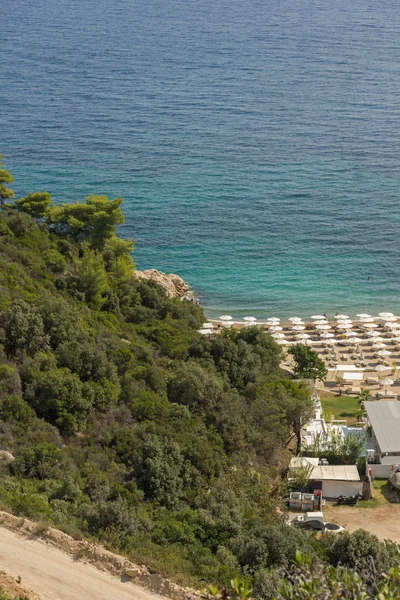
[384, 417]
[298, 462]
[335, 473]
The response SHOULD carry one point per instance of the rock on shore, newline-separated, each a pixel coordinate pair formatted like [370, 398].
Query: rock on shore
[174, 285]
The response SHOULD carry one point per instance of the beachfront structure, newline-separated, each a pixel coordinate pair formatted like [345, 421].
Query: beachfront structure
[332, 480]
[384, 420]
[335, 480]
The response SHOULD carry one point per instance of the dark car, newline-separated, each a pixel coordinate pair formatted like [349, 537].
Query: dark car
[311, 525]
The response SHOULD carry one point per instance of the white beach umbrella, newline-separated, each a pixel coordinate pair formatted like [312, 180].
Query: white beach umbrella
[373, 334]
[381, 368]
[249, 319]
[389, 320]
[208, 326]
[393, 325]
[386, 315]
[387, 381]
[282, 342]
[278, 336]
[205, 331]
[294, 319]
[323, 327]
[298, 327]
[378, 338]
[342, 317]
[370, 325]
[355, 340]
[319, 317]
[331, 341]
[384, 353]
[225, 318]
[320, 322]
[349, 333]
[273, 319]
[226, 324]
[364, 315]
[379, 346]
[276, 328]
[366, 320]
[303, 336]
[327, 335]
[345, 326]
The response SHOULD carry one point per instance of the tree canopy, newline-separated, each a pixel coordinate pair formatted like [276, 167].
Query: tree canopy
[308, 365]
[5, 177]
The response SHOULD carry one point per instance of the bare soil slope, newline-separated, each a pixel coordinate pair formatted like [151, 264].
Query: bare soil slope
[55, 575]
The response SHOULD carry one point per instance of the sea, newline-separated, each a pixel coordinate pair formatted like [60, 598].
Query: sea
[256, 143]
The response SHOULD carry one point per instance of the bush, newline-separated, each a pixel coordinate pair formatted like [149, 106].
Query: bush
[361, 550]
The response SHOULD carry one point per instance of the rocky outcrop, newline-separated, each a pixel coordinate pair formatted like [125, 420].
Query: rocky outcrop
[174, 285]
[6, 457]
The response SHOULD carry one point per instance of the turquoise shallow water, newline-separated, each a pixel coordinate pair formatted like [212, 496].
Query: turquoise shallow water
[256, 144]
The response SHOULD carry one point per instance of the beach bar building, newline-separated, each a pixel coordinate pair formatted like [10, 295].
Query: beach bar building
[335, 480]
[384, 420]
[331, 480]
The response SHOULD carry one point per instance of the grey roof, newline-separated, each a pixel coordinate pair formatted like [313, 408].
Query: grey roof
[384, 417]
[335, 473]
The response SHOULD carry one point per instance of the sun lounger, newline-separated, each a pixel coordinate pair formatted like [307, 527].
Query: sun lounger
[388, 395]
[372, 380]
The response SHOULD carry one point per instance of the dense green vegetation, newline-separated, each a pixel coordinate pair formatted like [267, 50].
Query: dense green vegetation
[308, 580]
[125, 423]
[308, 365]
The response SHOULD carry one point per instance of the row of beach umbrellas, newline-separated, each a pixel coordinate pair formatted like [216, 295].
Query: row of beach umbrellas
[320, 319]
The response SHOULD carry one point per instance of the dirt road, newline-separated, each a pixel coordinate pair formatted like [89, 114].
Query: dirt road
[55, 575]
[383, 521]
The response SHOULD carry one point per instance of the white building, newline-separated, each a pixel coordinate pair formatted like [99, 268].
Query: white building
[332, 480]
[335, 480]
[384, 419]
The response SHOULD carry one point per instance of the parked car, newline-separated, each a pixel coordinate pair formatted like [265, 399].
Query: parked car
[314, 521]
[394, 481]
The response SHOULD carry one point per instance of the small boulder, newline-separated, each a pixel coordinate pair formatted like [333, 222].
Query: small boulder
[132, 573]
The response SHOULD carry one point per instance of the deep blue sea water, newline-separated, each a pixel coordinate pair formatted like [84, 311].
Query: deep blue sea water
[256, 143]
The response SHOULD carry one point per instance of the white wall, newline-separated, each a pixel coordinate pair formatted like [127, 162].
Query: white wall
[380, 471]
[334, 489]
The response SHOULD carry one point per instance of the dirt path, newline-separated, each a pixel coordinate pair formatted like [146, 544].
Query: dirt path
[55, 575]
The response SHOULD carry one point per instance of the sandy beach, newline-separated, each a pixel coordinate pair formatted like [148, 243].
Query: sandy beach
[363, 353]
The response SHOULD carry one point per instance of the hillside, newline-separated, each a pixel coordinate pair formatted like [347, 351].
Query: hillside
[119, 422]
